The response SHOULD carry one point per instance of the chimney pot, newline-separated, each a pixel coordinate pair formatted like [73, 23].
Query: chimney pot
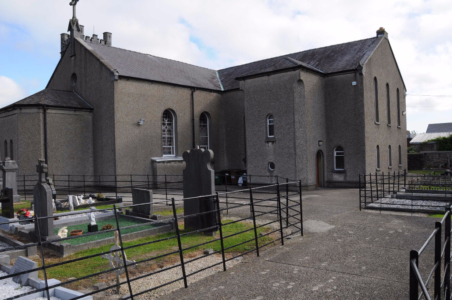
[108, 38]
[94, 39]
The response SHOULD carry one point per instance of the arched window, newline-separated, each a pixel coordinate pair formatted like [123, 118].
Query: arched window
[398, 108]
[390, 156]
[6, 149]
[11, 150]
[339, 158]
[388, 103]
[168, 134]
[400, 155]
[204, 131]
[270, 126]
[378, 157]
[377, 113]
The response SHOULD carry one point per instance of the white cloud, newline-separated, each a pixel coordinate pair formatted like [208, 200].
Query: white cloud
[10, 91]
[236, 31]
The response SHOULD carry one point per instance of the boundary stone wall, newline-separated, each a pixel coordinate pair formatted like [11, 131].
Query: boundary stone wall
[429, 159]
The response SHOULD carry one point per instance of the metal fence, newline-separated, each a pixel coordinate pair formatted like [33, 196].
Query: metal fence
[405, 192]
[119, 185]
[268, 214]
[439, 275]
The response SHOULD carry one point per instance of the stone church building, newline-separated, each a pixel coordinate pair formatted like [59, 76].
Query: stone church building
[323, 115]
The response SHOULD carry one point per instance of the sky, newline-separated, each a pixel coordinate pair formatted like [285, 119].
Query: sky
[218, 34]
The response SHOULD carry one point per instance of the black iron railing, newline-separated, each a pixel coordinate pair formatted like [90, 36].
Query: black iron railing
[439, 279]
[271, 213]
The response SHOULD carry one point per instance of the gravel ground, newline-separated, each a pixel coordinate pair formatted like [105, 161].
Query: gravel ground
[170, 275]
[8, 288]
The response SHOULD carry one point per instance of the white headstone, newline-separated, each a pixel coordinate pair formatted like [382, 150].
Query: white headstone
[71, 204]
[90, 200]
[92, 216]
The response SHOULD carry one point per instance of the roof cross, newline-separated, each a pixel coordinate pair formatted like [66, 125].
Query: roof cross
[73, 3]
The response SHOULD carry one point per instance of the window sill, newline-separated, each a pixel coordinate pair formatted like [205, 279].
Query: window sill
[400, 127]
[400, 166]
[390, 167]
[377, 123]
[270, 140]
[167, 158]
[377, 169]
[389, 125]
[339, 171]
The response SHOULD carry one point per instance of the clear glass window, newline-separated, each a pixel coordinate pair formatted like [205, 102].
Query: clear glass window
[168, 140]
[270, 126]
[204, 131]
[339, 163]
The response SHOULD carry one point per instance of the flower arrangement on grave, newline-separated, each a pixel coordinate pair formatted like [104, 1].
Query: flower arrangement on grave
[25, 212]
[107, 227]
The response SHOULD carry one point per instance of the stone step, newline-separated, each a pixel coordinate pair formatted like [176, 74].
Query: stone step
[424, 196]
[394, 204]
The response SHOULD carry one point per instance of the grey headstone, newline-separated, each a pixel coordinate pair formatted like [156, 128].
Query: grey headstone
[23, 264]
[145, 198]
[9, 169]
[199, 180]
[7, 201]
[99, 286]
[208, 251]
[5, 226]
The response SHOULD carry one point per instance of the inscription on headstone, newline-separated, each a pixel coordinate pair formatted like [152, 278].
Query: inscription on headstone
[23, 264]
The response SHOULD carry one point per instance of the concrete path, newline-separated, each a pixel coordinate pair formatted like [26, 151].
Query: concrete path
[344, 254]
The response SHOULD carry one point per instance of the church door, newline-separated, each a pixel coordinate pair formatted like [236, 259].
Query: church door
[320, 169]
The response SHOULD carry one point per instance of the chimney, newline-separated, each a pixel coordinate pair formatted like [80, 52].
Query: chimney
[94, 39]
[64, 42]
[107, 38]
[87, 39]
[382, 32]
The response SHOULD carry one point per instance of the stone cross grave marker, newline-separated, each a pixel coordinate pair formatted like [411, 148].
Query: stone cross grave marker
[23, 264]
[43, 204]
[199, 180]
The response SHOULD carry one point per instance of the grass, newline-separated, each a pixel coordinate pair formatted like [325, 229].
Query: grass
[90, 238]
[96, 264]
[169, 212]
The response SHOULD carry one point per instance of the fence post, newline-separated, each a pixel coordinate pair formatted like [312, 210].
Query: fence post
[25, 188]
[181, 254]
[359, 176]
[254, 221]
[278, 199]
[404, 179]
[437, 283]
[414, 285]
[393, 184]
[226, 189]
[376, 184]
[447, 253]
[220, 227]
[398, 181]
[301, 208]
[371, 192]
[383, 185]
[287, 202]
[69, 184]
[124, 260]
[116, 186]
[42, 256]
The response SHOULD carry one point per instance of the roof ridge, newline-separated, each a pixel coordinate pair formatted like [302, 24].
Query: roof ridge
[155, 56]
[285, 55]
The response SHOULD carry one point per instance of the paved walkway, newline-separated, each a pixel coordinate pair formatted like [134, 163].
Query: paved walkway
[344, 254]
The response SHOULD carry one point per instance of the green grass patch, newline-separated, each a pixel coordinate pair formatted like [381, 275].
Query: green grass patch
[100, 236]
[21, 205]
[96, 264]
[169, 212]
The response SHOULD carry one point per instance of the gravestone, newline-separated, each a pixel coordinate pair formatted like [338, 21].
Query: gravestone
[7, 202]
[92, 226]
[43, 204]
[23, 264]
[199, 180]
[9, 169]
[145, 198]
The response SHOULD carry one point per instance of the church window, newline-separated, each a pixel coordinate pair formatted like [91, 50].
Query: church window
[388, 101]
[11, 149]
[400, 155]
[73, 80]
[339, 158]
[378, 157]
[204, 131]
[271, 166]
[377, 113]
[390, 156]
[168, 134]
[270, 126]
[398, 108]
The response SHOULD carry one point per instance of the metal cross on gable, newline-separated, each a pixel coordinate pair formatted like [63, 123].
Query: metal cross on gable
[42, 168]
[73, 3]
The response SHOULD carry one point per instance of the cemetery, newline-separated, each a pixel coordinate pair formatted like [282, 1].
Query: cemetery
[120, 246]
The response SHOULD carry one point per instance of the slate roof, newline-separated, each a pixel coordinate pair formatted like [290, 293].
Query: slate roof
[331, 59]
[439, 127]
[53, 98]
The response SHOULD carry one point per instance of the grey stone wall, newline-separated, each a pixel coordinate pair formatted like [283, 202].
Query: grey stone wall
[95, 84]
[383, 66]
[427, 160]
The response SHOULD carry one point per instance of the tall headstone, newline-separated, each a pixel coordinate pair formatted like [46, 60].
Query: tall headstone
[199, 180]
[6, 199]
[9, 169]
[142, 198]
[43, 205]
